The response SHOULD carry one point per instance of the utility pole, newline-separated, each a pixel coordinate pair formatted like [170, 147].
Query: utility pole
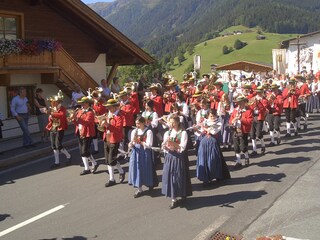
[298, 44]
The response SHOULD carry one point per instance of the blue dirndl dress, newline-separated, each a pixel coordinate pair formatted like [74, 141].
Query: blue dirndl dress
[141, 167]
[210, 162]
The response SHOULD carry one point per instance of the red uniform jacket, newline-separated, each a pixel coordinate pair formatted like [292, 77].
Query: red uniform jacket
[245, 119]
[85, 119]
[135, 102]
[169, 101]
[61, 114]
[99, 109]
[276, 105]
[216, 99]
[290, 100]
[128, 110]
[262, 106]
[190, 91]
[114, 131]
[157, 104]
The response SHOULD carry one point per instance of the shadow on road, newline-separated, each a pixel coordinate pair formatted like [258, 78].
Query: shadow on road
[4, 217]
[223, 200]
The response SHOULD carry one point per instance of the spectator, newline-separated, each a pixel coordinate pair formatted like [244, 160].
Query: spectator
[106, 90]
[77, 94]
[115, 86]
[1, 124]
[41, 107]
[20, 110]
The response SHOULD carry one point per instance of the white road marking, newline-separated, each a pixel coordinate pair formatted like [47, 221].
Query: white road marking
[31, 220]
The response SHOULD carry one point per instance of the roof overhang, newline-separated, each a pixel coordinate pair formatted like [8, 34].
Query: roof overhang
[118, 48]
[285, 43]
[245, 66]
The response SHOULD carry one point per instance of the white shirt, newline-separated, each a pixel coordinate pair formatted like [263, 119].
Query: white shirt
[149, 137]
[154, 118]
[201, 114]
[173, 134]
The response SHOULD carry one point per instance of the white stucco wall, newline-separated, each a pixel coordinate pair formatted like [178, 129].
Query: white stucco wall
[96, 70]
[306, 53]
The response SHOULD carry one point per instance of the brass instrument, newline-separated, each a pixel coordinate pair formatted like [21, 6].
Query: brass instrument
[97, 93]
[71, 114]
[102, 119]
[55, 121]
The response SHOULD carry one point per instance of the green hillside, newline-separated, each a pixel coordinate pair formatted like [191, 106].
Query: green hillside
[211, 52]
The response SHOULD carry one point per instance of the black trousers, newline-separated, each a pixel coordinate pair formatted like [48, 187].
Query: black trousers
[301, 111]
[274, 122]
[256, 129]
[290, 114]
[111, 152]
[56, 138]
[240, 142]
[84, 146]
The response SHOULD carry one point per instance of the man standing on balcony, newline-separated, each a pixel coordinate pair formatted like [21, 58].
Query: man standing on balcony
[20, 110]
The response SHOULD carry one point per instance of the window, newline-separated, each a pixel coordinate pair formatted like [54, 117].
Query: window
[10, 26]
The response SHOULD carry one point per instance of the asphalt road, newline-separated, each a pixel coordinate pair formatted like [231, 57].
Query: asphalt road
[38, 203]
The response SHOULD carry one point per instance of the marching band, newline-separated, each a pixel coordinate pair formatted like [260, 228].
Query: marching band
[175, 117]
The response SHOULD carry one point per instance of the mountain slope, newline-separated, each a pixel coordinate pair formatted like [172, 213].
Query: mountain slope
[161, 26]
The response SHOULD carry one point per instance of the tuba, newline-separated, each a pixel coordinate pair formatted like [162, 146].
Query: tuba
[101, 120]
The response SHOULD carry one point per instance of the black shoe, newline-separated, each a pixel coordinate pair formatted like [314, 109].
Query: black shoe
[122, 176]
[55, 165]
[263, 150]
[110, 183]
[305, 126]
[287, 135]
[137, 194]
[94, 169]
[271, 144]
[150, 189]
[278, 141]
[246, 162]
[296, 133]
[95, 152]
[173, 204]
[253, 153]
[68, 162]
[237, 166]
[85, 172]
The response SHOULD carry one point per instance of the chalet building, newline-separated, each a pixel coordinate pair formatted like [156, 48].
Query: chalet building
[89, 44]
[301, 52]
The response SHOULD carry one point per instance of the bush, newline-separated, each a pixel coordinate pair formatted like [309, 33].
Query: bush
[225, 49]
[238, 44]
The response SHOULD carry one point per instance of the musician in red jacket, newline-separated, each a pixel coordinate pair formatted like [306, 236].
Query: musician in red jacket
[241, 120]
[113, 135]
[98, 110]
[85, 130]
[156, 99]
[128, 109]
[216, 95]
[274, 116]
[56, 125]
[260, 108]
[170, 96]
[290, 104]
[302, 100]
[130, 88]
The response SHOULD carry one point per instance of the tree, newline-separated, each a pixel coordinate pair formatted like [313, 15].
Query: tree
[239, 44]
[181, 58]
[225, 49]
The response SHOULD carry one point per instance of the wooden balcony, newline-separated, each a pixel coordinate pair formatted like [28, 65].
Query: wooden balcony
[64, 69]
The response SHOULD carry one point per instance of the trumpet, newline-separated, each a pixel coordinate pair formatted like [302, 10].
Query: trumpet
[102, 119]
[71, 113]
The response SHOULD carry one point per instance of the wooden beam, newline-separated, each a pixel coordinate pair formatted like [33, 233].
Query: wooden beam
[112, 73]
[49, 78]
[5, 80]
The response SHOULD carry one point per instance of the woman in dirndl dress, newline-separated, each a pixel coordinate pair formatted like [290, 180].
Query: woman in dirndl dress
[210, 162]
[140, 164]
[175, 177]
